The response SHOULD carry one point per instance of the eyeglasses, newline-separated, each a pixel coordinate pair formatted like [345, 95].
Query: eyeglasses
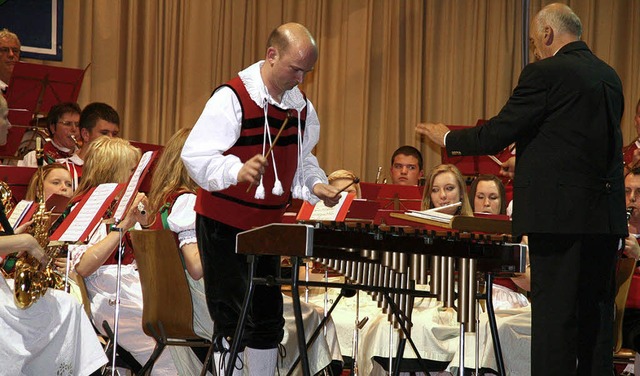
[70, 123]
[5, 50]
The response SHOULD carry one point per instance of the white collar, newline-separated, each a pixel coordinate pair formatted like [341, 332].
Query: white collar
[258, 92]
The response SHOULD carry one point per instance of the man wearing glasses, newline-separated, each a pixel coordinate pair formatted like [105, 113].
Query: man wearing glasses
[9, 56]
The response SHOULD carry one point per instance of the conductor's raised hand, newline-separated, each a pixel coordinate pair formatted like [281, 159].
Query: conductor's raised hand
[435, 132]
[327, 193]
[508, 168]
[252, 169]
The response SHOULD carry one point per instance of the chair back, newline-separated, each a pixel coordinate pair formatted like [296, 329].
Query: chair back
[165, 290]
[624, 275]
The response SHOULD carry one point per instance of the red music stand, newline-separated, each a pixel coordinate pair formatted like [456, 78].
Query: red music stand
[393, 196]
[36, 87]
[18, 180]
[477, 164]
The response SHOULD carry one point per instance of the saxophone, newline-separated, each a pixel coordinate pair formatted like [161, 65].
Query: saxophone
[32, 279]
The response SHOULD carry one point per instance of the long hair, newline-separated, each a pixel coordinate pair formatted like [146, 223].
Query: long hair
[109, 160]
[46, 170]
[170, 175]
[465, 209]
[499, 185]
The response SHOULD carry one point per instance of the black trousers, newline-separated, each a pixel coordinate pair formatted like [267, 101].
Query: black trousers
[225, 281]
[572, 294]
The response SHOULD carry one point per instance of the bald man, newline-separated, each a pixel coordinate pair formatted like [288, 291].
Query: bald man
[242, 188]
[564, 116]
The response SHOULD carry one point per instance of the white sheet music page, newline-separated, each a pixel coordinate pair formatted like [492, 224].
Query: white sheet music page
[132, 186]
[19, 211]
[87, 213]
[323, 213]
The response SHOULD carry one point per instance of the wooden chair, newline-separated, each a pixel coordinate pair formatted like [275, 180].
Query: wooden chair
[167, 313]
[624, 274]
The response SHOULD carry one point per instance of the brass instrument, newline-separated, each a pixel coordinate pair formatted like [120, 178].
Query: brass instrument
[6, 196]
[32, 279]
[76, 141]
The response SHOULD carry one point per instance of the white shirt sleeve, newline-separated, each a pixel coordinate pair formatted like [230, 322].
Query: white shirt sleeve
[182, 219]
[215, 132]
[311, 173]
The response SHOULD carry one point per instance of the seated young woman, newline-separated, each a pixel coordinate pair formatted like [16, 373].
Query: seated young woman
[171, 204]
[445, 186]
[51, 337]
[112, 160]
[488, 194]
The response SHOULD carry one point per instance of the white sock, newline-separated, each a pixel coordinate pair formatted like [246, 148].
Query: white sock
[260, 362]
[222, 366]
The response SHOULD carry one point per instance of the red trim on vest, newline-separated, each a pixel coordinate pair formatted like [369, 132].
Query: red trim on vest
[235, 206]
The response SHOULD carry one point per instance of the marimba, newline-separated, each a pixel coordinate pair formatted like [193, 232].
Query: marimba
[388, 262]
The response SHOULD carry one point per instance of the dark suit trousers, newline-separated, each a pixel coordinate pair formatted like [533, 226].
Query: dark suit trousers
[226, 276]
[572, 287]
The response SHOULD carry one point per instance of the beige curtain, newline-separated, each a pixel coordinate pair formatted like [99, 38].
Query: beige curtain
[384, 64]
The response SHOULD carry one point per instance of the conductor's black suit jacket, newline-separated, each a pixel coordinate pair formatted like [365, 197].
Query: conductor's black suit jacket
[564, 116]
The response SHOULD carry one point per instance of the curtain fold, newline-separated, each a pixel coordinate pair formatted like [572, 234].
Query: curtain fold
[383, 65]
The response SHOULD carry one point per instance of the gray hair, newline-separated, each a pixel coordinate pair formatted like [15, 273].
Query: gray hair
[6, 34]
[561, 18]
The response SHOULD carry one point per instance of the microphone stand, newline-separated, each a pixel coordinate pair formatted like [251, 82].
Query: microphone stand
[116, 316]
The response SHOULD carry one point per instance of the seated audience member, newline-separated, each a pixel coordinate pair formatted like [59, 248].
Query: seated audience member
[9, 56]
[63, 122]
[488, 195]
[51, 337]
[171, 204]
[631, 153]
[112, 160]
[406, 166]
[344, 178]
[97, 119]
[445, 186]
[631, 319]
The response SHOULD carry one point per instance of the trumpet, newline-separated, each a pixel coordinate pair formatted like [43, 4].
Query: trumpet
[75, 141]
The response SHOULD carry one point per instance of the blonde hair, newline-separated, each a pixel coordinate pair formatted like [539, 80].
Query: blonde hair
[465, 209]
[108, 160]
[6, 34]
[170, 175]
[46, 170]
[345, 174]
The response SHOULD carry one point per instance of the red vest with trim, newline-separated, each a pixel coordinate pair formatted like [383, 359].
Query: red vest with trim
[235, 206]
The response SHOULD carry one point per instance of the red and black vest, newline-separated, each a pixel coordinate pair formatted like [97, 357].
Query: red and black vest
[235, 206]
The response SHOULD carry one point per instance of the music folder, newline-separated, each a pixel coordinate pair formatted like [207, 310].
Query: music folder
[321, 212]
[133, 185]
[87, 214]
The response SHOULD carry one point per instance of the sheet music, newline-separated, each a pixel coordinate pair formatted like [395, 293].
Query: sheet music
[435, 214]
[323, 213]
[132, 187]
[87, 213]
[18, 213]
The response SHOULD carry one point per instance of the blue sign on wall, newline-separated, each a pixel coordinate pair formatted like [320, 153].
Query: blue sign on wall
[38, 24]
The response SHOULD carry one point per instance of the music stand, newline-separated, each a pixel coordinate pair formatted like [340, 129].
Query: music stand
[393, 196]
[477, 164]
[18, 180]
[36, 88]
